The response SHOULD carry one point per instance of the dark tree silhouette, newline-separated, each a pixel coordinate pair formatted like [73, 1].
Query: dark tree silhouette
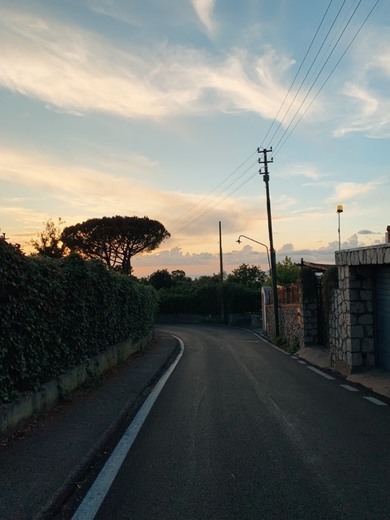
[49, 241]
[114, 240]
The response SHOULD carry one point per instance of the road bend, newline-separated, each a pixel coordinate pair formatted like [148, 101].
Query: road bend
[243, 431]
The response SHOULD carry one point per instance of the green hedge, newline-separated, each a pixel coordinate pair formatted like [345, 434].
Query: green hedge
[205, 299]
[55, 314]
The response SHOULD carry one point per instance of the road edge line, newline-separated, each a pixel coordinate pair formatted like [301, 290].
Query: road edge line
[92, 501]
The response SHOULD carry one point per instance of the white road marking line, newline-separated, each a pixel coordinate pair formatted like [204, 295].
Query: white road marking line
[280, 350]
[269, 343]
[319, 372]
[93, 500]
[301, 361]
[375, 401]
[350, 388]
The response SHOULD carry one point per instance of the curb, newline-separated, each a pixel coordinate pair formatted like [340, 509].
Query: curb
[49, 510]
[35, 404]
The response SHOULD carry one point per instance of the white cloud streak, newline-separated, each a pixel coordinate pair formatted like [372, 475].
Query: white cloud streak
[204, 10]
[354, 190]
[77, 71]
[367, 104]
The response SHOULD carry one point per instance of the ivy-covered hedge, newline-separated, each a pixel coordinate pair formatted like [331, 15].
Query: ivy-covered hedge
[55, 314]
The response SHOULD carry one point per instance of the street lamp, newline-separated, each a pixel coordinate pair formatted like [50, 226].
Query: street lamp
[257, 242]
[340, 209]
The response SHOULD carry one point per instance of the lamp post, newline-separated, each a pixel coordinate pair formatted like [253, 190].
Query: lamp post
[257, 242]
[340, 209]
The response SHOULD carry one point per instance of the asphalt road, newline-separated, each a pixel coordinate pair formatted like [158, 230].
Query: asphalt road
[243, 431]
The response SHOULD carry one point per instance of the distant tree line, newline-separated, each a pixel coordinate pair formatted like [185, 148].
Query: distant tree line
[178, 293]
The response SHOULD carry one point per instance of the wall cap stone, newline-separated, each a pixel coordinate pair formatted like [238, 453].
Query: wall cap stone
[369, 255]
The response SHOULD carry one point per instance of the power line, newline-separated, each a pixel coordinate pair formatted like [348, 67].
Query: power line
[214, 202]
[329, 75]
[296, 75]
[214, 189]
[213, 199]
[193, 214]
[318, 75]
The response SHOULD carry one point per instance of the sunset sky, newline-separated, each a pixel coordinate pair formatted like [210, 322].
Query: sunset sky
[157, 108]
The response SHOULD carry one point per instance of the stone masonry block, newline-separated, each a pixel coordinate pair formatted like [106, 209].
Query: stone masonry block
[365, 319]
[367, 345]
[357, 307]
[366, 295]
[355, 345]
[357, 360]
[369, 331]
[357, 331]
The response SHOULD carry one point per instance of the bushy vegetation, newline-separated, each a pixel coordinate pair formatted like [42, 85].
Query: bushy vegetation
[178, 294]
[56, 313]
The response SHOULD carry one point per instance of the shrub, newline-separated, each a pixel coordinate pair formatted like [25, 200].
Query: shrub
[55, 314]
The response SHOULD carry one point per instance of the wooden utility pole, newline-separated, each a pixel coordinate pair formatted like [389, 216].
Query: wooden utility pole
[221, 273]
[265, 161]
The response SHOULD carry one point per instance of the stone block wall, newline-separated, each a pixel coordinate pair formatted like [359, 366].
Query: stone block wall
[309, 334]
[352, 319]
[290, 322]
[352, 339]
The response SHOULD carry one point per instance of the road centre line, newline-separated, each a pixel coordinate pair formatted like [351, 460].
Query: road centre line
[319, 372]
[91, 503]
[375, 401]
[350, 388]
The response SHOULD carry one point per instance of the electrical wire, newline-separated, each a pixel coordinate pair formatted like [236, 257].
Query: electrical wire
[327, 78]
[213, 199]
[196, 215]
[308, 72]
[318, 75]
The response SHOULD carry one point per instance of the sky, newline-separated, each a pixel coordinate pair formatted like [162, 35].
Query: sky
[157, 109]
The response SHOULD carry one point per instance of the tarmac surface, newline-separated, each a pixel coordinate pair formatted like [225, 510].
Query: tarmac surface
[376, 379]
[53, 460]
[48, 461]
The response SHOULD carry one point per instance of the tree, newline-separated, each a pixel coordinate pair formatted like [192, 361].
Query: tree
[248, 275]
[160, 279]
[178, 275]
[114, 240]
[49, 241]
[287, 272]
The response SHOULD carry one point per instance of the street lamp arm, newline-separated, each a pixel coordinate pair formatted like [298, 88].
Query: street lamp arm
[257, 242]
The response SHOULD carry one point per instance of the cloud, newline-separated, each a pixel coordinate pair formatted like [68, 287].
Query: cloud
[303, 170]
[197, 264]
[204, 10]
[77, 71]
[368, 232]
[77, 193]
[350, 190]
[369, 116]
[366, 105]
